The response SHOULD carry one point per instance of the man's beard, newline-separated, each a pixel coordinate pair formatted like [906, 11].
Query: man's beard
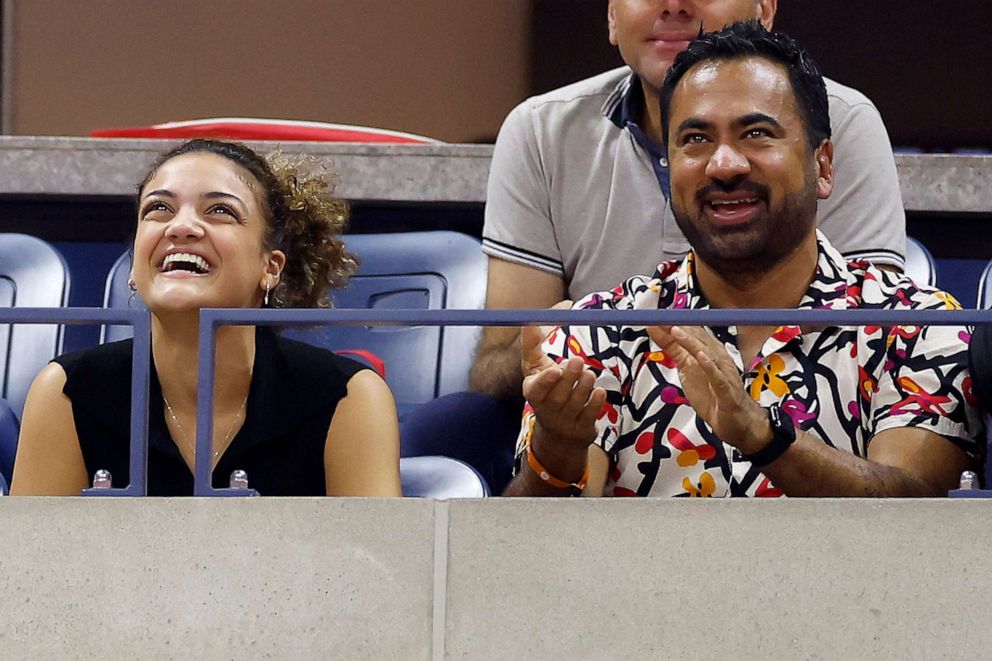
[760, 245]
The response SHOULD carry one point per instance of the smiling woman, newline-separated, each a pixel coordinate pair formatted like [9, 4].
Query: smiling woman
[219, 226]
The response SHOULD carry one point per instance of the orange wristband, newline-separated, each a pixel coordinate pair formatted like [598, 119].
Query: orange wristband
[543, 473]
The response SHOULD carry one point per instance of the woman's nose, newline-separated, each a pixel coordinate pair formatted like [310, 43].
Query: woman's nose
[185, 225]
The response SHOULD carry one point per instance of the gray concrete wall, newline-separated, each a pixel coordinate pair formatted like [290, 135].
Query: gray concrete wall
[49, 166]
[221, 579]
[731, 579]
[494, 579]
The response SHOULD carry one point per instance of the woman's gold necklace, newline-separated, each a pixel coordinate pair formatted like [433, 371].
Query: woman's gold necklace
[191, 447]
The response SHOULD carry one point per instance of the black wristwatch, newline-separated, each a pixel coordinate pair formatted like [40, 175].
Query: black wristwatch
[783, 435]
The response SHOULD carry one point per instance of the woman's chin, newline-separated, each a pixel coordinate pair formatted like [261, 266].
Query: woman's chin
[175, 303]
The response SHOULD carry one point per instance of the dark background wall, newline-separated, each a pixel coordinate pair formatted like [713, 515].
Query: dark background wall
[449, 69]
[925, 65]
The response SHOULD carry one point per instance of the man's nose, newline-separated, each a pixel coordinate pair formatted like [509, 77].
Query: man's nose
[679, 8]
[727, 163]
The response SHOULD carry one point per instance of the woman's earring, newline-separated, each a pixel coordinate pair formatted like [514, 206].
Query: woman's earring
[265, 300]
[134, 290]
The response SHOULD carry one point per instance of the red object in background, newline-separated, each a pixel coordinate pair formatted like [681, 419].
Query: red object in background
[243, 128]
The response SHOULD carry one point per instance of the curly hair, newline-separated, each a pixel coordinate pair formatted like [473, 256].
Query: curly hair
[302, 218]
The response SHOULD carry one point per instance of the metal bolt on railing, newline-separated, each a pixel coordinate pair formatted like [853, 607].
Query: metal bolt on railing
[239, 479]
[101, 479]
[969, 480]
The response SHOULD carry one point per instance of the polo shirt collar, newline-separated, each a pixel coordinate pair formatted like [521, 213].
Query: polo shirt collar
[617, 107]
[622, 107]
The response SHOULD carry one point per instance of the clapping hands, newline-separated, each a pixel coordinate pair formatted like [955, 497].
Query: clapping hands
[712, 384]
[563, 395]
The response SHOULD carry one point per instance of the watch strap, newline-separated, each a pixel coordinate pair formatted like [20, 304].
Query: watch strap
[783, 435]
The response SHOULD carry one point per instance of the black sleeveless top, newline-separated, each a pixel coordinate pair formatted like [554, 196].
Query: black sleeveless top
[294, 391]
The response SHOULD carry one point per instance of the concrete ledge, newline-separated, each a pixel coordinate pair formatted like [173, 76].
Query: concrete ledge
[494, 579]
[109, 167]
[679, 579]
[945, 182]
[224, 578]
[37, 166]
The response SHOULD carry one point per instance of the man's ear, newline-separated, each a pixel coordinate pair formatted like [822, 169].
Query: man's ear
[766, 12]
[824, 156]
[611, 23]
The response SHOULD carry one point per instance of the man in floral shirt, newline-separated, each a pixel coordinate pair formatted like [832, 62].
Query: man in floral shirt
[756, 411]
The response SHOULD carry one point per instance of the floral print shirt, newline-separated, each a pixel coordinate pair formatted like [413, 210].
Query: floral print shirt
[843, 385]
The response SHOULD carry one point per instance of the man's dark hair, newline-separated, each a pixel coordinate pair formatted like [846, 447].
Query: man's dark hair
[750, 39]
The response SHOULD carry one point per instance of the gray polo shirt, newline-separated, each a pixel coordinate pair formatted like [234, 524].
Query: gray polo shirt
[575, 188]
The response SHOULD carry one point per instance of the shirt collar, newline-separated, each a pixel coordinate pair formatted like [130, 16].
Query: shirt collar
[689, 295]
[617, 106]
[674, 286]
[624, 104]
[834, 287]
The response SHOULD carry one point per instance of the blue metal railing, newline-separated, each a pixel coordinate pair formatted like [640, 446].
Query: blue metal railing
[140, 374]
[212, 318]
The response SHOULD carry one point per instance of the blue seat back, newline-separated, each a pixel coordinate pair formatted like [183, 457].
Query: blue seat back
[9, 430]
[440, 477]
[920, 266]
[32, 274]
[985, 288]
[420, 270]
[116, 294]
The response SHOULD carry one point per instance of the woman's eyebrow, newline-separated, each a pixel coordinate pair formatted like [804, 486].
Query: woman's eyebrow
[213, 195]
[161, 192]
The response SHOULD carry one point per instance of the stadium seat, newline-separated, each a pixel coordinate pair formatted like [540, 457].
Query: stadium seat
[440, 477]
[985, 288]
[418, 270]
[116, 294]
[920, 266]
[32, 274]
[8, 443]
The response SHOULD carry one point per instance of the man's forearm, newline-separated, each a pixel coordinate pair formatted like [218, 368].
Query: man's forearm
[496, 370]
[812, 468]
